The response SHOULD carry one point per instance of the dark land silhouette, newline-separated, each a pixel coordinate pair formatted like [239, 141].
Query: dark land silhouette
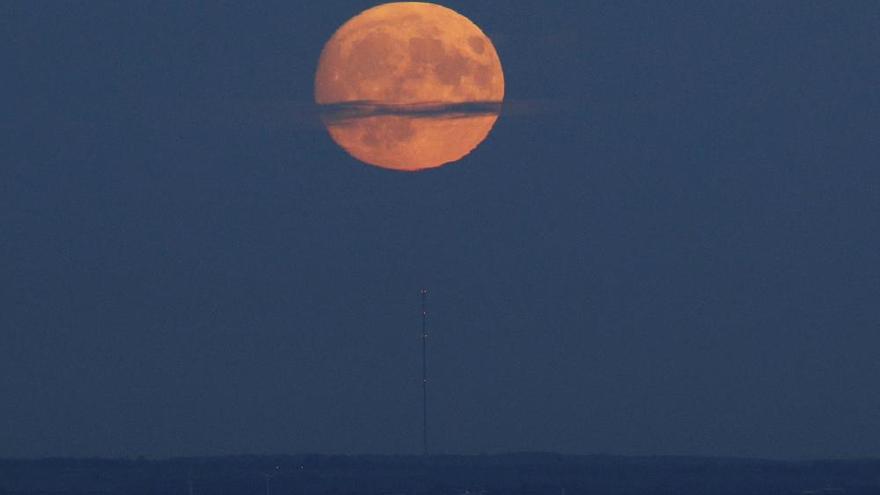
[509, 474]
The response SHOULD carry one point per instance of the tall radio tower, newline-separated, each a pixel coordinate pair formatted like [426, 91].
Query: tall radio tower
[424, 294]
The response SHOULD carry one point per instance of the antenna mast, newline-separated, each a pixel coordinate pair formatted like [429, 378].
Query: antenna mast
[424, 294]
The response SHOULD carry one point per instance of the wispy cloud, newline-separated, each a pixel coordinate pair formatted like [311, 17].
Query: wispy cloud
[341, 112]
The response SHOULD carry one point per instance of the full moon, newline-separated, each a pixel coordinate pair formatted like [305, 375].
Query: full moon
[415, 66]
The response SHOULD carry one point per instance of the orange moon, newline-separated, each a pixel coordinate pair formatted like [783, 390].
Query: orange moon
[414, 66]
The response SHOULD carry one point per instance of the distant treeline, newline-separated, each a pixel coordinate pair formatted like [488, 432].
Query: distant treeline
[511, 474]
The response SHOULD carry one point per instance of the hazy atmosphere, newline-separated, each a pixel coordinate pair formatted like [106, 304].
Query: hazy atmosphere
[668, 243]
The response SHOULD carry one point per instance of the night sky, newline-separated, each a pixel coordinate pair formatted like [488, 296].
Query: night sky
[669, 244]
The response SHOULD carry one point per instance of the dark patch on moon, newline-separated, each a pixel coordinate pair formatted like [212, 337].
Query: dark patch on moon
[477, 44]
[425, 50]
[368, 59]
[387, 132]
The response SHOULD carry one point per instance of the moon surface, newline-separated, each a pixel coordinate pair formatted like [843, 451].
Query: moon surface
[411, 75]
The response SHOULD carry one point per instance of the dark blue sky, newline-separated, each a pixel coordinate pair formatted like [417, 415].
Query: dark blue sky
[669, 245]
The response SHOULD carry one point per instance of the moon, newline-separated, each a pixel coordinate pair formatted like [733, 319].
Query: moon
[411, 75]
